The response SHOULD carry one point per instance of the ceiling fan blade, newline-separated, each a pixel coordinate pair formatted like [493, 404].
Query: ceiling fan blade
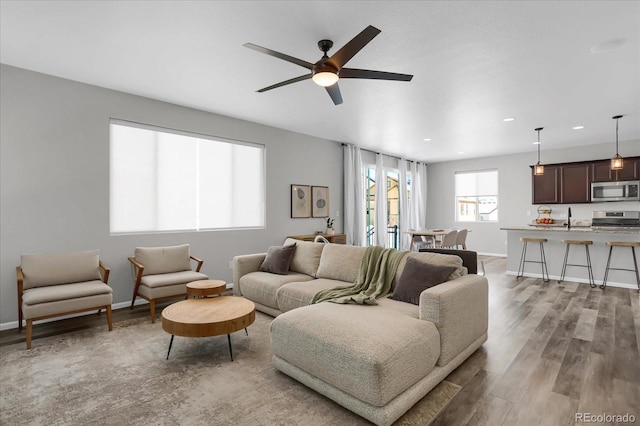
[373, 75]
[305, 64]
[284, 83]
[348, 51]
[334, 92]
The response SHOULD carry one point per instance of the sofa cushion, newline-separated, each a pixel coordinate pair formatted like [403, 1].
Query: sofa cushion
[53, 293]
[306, 258]
[435, 259]
[262, 287]
[340, 262]
[164, 280]
[418, 276]
[298, 294]
[59, 268]
[160, 260]
[278, 259]
[373, 363]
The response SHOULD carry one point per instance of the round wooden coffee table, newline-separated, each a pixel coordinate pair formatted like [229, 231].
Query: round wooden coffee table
[208, 317]
[204, 288]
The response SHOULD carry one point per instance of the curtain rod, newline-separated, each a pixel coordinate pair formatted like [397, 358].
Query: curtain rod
[383, 153]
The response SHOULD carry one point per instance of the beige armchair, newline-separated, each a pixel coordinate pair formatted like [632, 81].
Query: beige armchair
[51, 285]
[162, 273]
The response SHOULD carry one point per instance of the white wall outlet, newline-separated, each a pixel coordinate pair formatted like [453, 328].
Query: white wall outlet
[231, 264]
[528, 212]
[563, 215]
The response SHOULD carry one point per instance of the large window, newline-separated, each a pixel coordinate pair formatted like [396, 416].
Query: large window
[477, 196]
[167, 180]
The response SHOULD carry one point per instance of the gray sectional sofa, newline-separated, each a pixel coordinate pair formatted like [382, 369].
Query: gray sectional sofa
[375, 360]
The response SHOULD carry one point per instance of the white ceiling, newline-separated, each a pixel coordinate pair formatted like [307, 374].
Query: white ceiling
[474, 64]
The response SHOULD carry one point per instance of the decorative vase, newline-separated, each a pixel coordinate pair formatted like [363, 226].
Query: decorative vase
[330, 231]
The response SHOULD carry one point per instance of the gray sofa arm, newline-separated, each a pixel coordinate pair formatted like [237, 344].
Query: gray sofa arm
[242, 265]
[460, 310]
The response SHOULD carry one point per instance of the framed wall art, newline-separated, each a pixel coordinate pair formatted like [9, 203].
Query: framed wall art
[300, 201]
[320, 201]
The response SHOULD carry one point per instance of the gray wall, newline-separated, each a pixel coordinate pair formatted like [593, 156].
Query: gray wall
[54, 178]
[514, 187]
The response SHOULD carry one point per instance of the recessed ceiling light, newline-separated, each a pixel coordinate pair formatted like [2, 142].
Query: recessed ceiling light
[578, 127]
[427, 139]
[509, 119]
[536, 143]
[460, 152]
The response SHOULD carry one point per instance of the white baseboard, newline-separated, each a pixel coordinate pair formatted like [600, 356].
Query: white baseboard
[574, 279]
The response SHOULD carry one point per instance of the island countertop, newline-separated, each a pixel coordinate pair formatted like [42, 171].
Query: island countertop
[580, 229]
[555, 252]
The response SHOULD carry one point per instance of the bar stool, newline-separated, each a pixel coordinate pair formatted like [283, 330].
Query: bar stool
[632, 245]
[542, 261]
[586, 245]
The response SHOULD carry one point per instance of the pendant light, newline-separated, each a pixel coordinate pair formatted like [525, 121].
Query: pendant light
[538, 169]
[616, 162]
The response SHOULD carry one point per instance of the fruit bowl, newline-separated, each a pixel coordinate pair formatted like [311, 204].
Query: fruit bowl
[544, 221]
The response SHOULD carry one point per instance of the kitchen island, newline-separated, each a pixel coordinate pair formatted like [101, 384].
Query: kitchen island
[555, 250]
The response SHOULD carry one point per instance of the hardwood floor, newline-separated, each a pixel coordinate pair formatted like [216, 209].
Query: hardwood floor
[554, 350]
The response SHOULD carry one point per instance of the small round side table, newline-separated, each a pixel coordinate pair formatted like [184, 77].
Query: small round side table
[205, 288]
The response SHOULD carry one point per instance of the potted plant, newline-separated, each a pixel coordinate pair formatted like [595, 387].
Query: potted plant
[330, 230]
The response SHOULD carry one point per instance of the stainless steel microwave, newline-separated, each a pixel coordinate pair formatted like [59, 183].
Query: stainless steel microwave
[615, 191]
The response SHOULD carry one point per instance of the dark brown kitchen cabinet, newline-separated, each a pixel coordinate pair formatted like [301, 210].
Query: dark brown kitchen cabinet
[575, 183]
[601, 170]
[546, 187]
[629, 169]
[568, 183]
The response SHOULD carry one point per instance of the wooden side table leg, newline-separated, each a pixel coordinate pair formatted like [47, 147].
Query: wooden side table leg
[230, 350]
[170, 343]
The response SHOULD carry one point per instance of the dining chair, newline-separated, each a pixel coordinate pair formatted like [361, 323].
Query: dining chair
[419, 242]
[449, 240]
[461, 238]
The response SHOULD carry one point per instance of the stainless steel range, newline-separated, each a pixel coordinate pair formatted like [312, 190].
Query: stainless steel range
[616, 219]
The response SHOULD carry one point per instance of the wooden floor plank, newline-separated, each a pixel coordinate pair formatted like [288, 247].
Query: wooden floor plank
[570, 377]
[586, 326]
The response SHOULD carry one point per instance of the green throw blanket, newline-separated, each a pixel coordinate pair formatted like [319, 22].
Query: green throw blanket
[377, 270]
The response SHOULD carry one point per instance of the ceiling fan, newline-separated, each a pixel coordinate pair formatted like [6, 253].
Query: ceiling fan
[328, 70]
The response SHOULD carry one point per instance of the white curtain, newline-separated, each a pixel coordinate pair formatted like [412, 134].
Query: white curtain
[354, 203]
[418, 210]
[381, 203]
[405, 240]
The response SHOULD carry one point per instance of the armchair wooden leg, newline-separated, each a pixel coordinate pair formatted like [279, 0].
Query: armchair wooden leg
[29, 332]
[20, 320]
[109, 317]
[135, 295]
[152, 308]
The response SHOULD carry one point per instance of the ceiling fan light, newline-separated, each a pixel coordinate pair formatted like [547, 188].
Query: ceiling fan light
[325, 78]
[538, 170]
[616, 162]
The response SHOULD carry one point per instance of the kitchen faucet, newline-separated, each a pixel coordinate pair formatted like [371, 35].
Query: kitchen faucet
[569, 219]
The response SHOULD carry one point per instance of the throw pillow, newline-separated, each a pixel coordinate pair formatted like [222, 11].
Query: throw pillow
[278, 259]
[418, 276]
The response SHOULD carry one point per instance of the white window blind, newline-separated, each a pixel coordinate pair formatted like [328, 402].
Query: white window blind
[167, 180]
[476, 196]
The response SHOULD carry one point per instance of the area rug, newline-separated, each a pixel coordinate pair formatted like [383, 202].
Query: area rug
[95, 377]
